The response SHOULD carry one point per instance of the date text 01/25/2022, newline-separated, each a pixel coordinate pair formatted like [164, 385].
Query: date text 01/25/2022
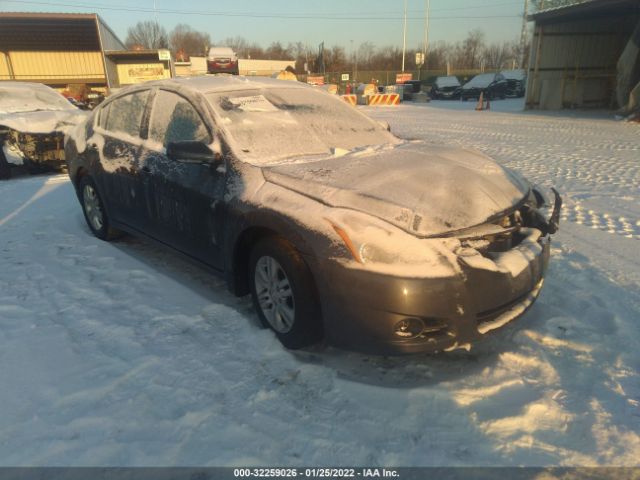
[314, 473]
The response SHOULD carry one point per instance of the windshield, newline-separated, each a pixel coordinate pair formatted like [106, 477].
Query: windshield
[270, 125]
[513, 74]
[24, 99]
[481, 81]
[447, 82]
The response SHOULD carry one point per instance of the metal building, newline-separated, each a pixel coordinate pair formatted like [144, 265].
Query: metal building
[136, 66]
[580, 55]
[56, 49]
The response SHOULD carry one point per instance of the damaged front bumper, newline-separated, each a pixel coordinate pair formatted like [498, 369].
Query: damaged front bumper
[388, 314]
[38, 151]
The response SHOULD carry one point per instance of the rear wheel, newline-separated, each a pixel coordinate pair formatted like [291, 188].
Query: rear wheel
[284, 293]
[94, 212]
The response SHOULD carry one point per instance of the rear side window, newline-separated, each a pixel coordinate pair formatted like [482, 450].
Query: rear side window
[125, 114]
[174, 119]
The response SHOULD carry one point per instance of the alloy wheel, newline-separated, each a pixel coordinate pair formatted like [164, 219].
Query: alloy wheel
[92, 207]
[275, 296]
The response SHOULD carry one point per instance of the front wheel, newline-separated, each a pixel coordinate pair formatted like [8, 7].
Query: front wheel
[284, 293]
[94, 212]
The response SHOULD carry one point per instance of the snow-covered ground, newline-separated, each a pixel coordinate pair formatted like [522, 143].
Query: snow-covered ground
[125, 354]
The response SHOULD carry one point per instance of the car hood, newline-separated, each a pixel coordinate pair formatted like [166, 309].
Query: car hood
[425, 190]
[44, 121]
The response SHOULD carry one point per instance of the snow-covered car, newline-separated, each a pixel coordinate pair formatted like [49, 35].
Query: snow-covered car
[516, 82]
[222, 60]
[338, 229]
[33, 120]
[492, 85]
[445, 88]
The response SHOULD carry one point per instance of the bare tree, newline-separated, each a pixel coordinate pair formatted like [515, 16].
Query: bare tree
[301, 54]
[365, 53]
[237, 44]
[277, 52]
[147, 35]
[335, 59]
[497, 55]
[185, 41]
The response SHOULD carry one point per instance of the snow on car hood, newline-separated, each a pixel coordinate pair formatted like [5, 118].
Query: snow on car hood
[425, 190]
[480, 81]
[45, 121]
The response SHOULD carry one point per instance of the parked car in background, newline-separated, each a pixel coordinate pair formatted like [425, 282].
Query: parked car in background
[445, 88]
[33, 121]
[277, 186]
[493, 85]
[516, 82]
[222, 60]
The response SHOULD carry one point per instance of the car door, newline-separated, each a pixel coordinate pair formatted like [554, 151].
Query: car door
[185, 198]
[120, 124]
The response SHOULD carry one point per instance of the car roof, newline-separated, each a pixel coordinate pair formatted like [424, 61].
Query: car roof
[224, 83]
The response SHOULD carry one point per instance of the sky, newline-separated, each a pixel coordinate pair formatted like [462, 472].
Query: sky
[336, 22]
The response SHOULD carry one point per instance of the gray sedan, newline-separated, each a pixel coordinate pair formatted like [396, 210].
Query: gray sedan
[338, 229]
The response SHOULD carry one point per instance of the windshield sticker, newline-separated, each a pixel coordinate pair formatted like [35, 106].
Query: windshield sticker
[254, 103]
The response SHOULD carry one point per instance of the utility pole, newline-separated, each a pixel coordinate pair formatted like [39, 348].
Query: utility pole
[426, 28]
[404, 35]
[523, 33]
[353, 70]
[355, 74]
[425, 47]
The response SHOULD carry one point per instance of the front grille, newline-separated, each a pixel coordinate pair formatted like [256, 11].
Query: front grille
[434, 328]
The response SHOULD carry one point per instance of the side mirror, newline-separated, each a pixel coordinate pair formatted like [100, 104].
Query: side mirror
[191, 152]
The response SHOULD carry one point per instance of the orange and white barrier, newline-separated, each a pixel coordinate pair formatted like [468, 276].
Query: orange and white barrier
[384, 99]
[351, 99]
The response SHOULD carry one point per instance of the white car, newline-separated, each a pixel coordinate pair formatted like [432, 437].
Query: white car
[33, 122]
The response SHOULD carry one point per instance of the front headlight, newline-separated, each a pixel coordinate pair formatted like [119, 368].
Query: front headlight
[380, 246]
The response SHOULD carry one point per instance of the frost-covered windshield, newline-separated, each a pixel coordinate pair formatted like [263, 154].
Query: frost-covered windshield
[481, 81]
[17, 99]
[270, 125]
[444, 82]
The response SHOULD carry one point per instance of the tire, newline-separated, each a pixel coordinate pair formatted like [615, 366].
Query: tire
[94, 212]
[294, 315]
[5, 168]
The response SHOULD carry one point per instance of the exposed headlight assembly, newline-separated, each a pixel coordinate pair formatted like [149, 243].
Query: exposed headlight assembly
[379, 246]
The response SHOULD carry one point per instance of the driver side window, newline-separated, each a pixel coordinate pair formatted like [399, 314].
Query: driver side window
[174, 119]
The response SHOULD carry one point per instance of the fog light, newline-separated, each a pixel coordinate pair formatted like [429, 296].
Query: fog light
[409, 328]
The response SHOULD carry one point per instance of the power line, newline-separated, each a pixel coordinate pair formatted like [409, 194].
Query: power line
[248, 15]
